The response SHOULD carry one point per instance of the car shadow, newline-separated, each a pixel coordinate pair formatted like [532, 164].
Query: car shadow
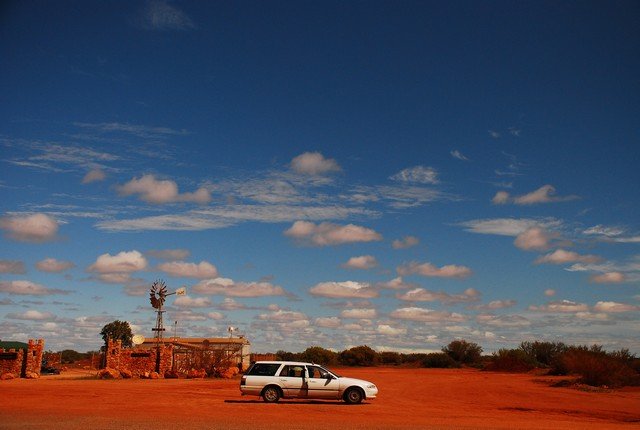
[295, 402]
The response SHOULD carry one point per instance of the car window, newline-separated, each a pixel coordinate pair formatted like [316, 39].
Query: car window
[264, 369]
[317, 372]
[292, 371]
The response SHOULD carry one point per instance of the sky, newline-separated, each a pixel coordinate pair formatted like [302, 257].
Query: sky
[334, 173]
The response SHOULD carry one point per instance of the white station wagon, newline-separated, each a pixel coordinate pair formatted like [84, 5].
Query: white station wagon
[273, 380]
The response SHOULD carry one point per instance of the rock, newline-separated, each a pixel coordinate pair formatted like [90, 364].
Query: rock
[170, 374]
[7, 376]
[193, 373]
[108, 373]
[126, 374]
[31, 375]
[229, 372]
[154, 375]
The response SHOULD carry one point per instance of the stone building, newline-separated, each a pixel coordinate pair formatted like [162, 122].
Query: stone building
[22, 361]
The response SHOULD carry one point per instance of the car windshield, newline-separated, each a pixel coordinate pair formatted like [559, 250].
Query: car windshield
[332, 372]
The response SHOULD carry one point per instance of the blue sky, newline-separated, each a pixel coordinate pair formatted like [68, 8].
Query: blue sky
[396, 174]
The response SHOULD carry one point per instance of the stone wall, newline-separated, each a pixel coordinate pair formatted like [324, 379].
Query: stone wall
[137, 362]
[25, 363]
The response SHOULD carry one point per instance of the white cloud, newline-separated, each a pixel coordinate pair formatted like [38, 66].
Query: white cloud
[227, 287]
[506, 321]
[601, 230]
[405, 242]
[229, 304]
[12, 266]
[550, 292]
[534, 239]
[181, 269]
[359, 313]
[170, 254]
[590, 316]
[116, 278]
[560, 256]
[328, 322]
[137, 290]
[142, 131]
[362, 262]
[216, 316]
[189, 302]
[28, 288]
[123, 262]
[94, 175]
[326, 234]
[501, 198]
[422, 295]
[426, 315]
[417, 174]
[395, 284]
[314, 163]
[562, 306]
[508, 226]
[428, 269]
[283, 316]
[457, 154]
[152, 190]
[52, 265]
[494, 305]
[160, 15]
[615, 307]
[35, 228]
[608, 278]
[387, 330]
[544, 194]
[229, 215]
[32, 315]
[347, 289]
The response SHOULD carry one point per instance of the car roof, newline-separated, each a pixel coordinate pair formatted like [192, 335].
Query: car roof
[295, 363]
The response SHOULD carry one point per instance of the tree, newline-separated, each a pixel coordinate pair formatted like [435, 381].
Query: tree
[319, 355]
[118, 330]
[358, 356]
[463, 352]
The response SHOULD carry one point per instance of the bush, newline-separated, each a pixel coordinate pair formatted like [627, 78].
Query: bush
[390, 357]
[510, 360]
[287, 356]
[464, 352]
[358, 356]
[318, 355]
[599, 368]
[544, 353]
[439, 360]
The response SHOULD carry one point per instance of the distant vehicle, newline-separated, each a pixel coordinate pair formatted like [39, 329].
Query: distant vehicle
[273, 380]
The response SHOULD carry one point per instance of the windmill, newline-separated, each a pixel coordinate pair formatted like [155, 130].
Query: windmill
[158, 294]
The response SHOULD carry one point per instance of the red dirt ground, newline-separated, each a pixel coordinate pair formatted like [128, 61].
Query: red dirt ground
[408, 399]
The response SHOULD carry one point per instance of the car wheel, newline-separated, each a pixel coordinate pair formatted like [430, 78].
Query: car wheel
[353, 396]
[271, 394]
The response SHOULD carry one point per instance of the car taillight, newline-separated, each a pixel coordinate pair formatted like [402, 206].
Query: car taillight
[243, 380]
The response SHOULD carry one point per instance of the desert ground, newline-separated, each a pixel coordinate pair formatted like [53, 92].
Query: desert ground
[408, 399]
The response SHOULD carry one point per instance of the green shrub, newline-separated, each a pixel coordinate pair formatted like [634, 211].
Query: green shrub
[318, 355]
[358, 356]
[543, 353]
[510, 360]
[439, 360]
[390, 357]
[599, 368]
[464, 352]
